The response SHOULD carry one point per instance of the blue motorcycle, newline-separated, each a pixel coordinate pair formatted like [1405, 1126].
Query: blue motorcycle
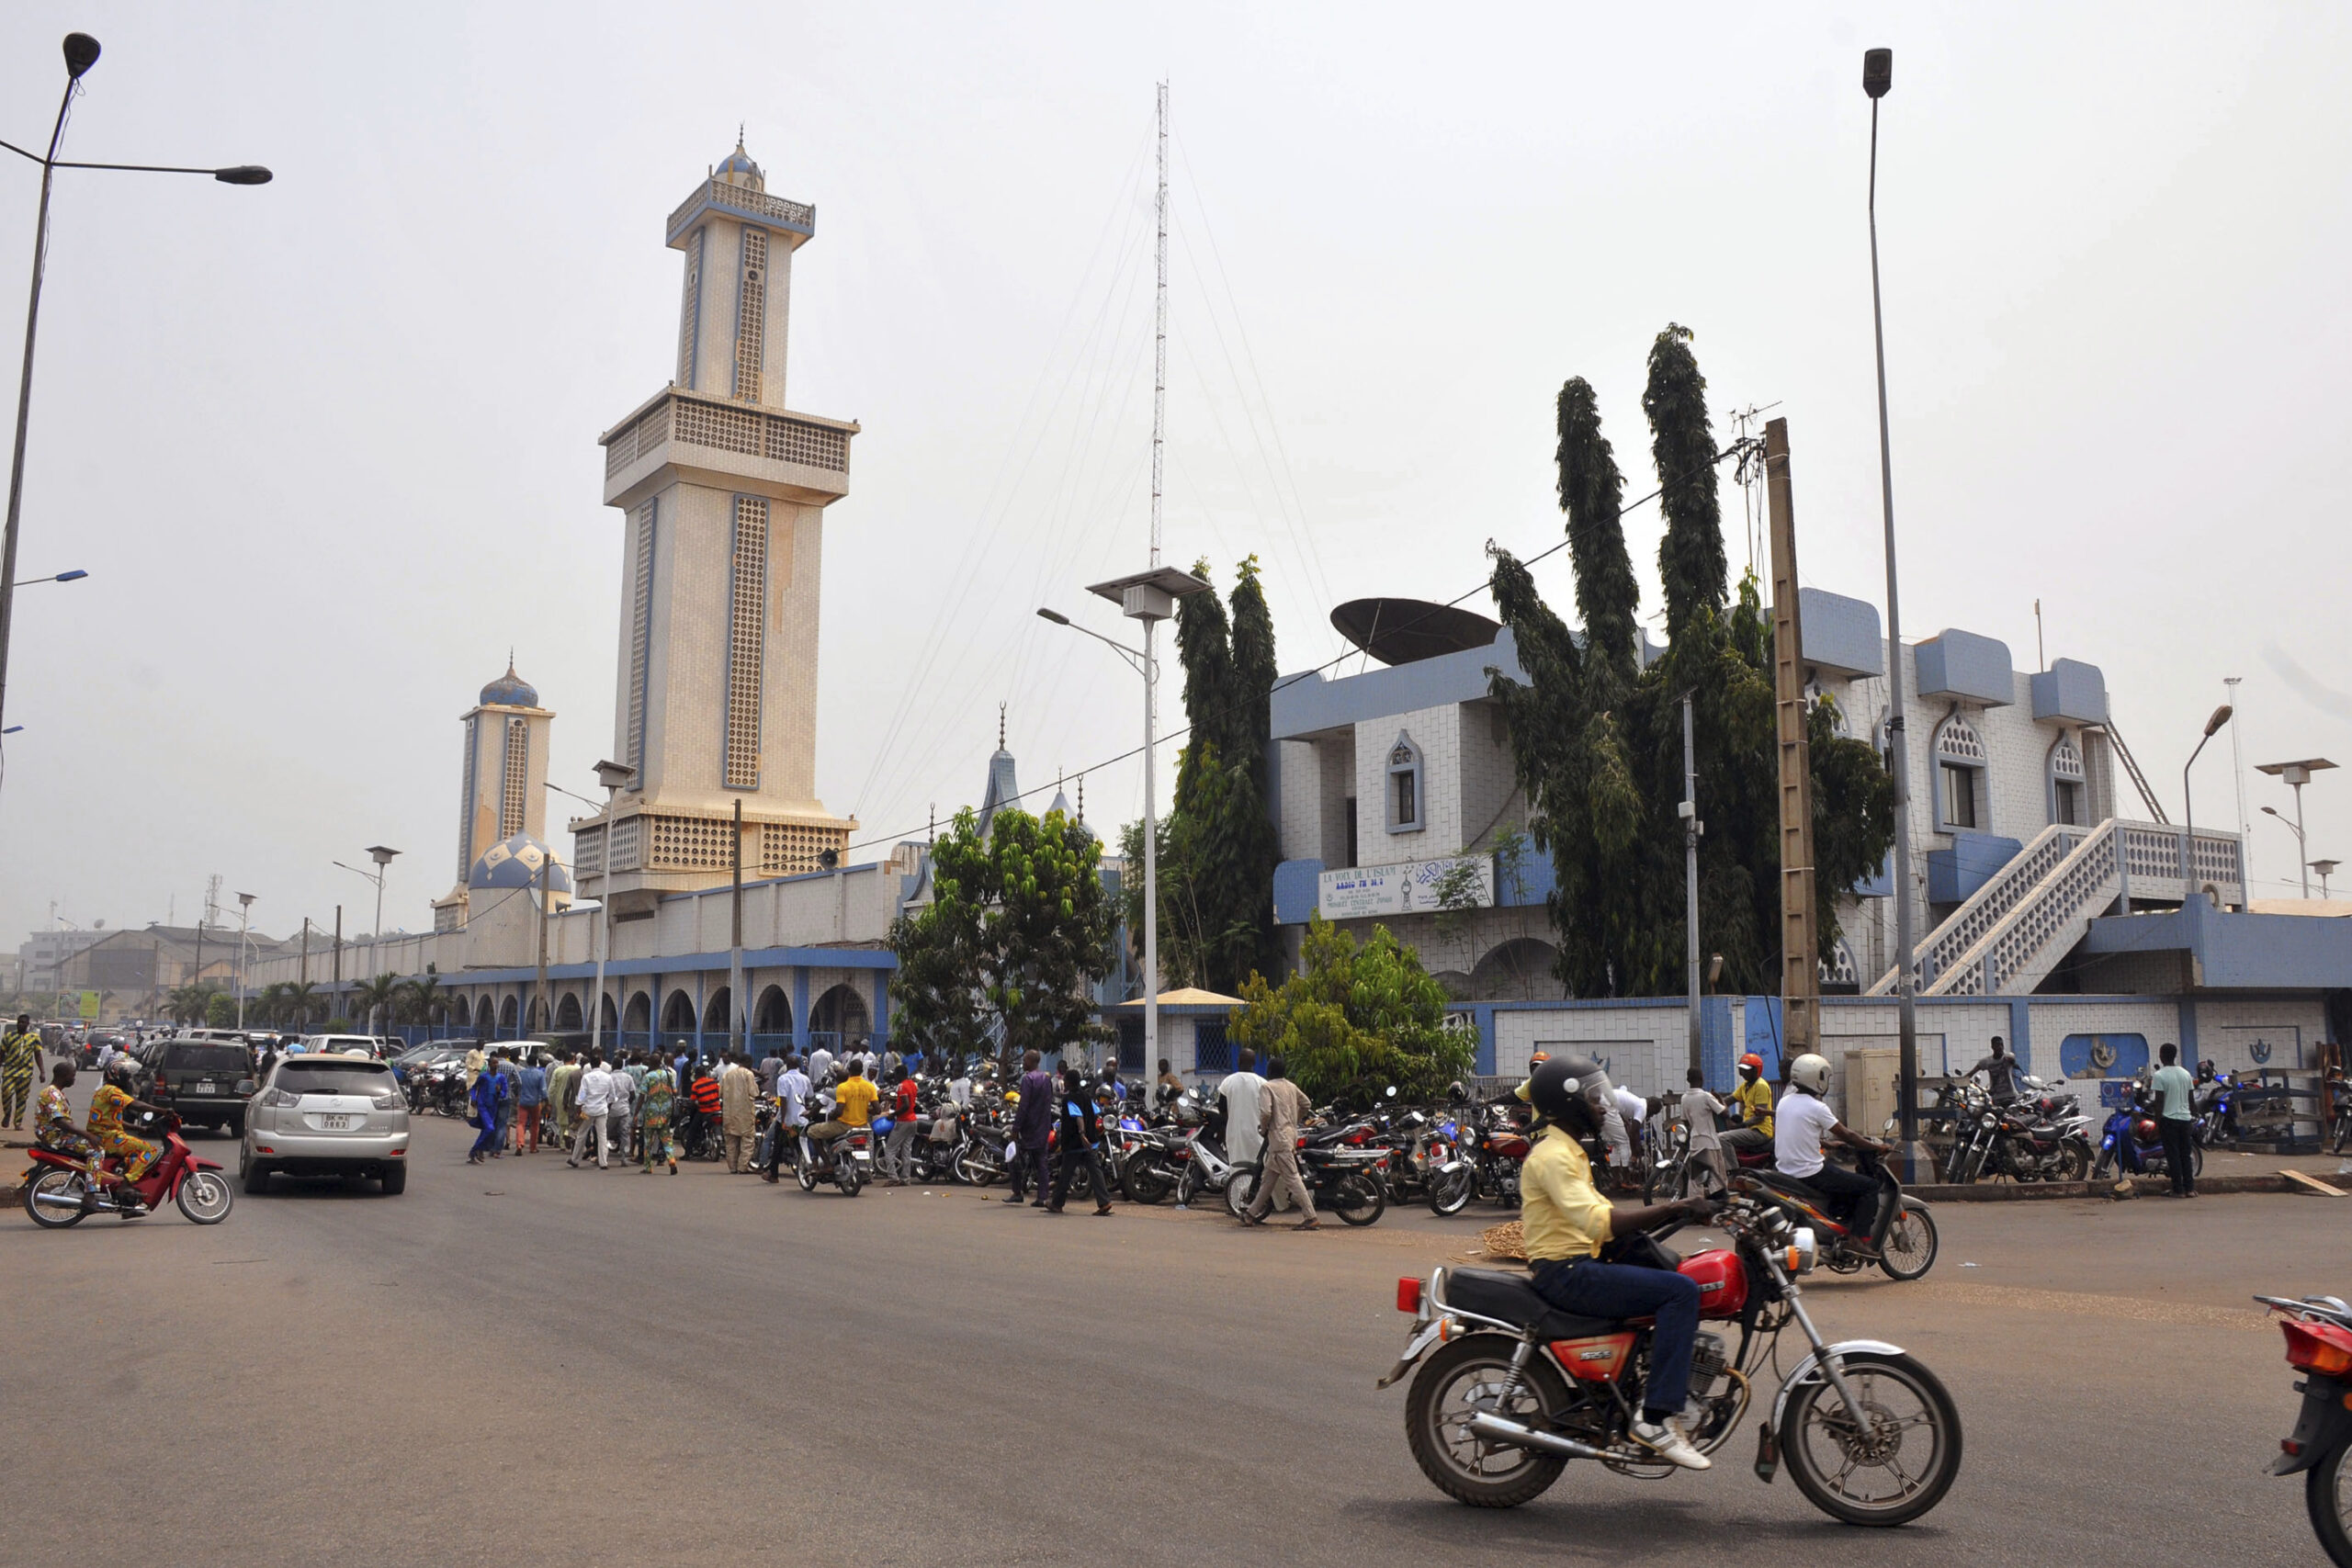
[2130, 1141]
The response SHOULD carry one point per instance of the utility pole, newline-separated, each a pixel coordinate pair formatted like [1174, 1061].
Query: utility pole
[1152, 629]
[1691, 829]
[736, 1013]
[338, 951]
[306, 950]
[1800, 942]
[539, 986]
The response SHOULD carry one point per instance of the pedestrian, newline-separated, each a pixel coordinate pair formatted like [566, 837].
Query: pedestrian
[621, 1116]
[563, 1094]
[1032, 1128]
[654, 1109]
[706, 1109]
[771, 1069]
[791, 1114]
[1241, 1089]
[959, 1086]
[1172, 1088]
[2000, 1070]
[20, 1059]
[502, 1069]
[2175, 1089]
[1283, 1106]
[475, 1062]
[1699, 1110]
[739, 1089]
[892, 1065]
[482, 1111]
[595, 1105]
[1112, 1081]
[820, 1066]
[530, 1104]
[898, 1154]
[1081, 1140]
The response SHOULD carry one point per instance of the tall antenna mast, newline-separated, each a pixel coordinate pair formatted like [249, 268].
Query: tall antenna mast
[1160, 338]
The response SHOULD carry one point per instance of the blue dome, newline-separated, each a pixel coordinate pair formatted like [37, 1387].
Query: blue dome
[511, 690]
[515, 864]
[740, 163]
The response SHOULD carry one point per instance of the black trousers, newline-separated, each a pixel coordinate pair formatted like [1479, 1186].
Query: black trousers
[1847, 1191]
[1072, 1162]
[2177, 1136]
[1026, 1165]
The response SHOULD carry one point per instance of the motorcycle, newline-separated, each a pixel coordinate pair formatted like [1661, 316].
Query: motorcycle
[1494, 1146]
[1510, 1388]
[846, 1161]
[2215, 1103]
[2319, 1345]
[58, 1191]
[2129, 1140]
[1347, 1177]
[1893, 1229]
[2016, 1140]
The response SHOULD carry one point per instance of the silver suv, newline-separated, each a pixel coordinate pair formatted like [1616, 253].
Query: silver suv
[318, 1115]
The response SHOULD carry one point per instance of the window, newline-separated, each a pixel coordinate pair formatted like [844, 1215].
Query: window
[2066, 799]
[640, 637]
[1959, 771]
[515, 780]
[1352, 830]
[746, 642]
[1404, 786]
[752, 315]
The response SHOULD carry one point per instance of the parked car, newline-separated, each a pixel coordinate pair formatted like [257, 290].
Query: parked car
[368, 1045]
[205, 1082]
[327, 1115]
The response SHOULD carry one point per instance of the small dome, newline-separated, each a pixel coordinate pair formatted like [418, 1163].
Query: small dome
[736, 168]
[511, 690]
[515, 864]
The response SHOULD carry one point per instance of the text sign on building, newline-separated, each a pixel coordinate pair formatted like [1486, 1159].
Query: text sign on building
[1408, 889]
[90, 1005]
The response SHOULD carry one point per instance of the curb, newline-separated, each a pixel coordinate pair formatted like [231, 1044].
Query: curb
[2144, 1186]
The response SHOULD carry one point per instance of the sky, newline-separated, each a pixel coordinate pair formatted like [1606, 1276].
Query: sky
[327, 447]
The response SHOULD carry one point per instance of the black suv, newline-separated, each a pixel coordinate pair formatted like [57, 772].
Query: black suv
[206, 1082]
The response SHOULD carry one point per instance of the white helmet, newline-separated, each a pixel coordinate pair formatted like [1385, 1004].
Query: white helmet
[1810, 1072]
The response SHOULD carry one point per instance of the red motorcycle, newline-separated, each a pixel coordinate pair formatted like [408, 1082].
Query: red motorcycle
[58, 1190]
[2319, 1345]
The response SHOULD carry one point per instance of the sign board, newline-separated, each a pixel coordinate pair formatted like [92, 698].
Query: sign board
[89, 1006]
[1409, 887]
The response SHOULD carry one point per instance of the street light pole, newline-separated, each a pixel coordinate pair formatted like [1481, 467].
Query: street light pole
[1878, 75]
[2188, 810]
[245, 924]
[614, 777]
[81, 53]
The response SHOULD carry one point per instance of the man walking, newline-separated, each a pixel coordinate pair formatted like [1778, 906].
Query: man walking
[1241, 1091]
[1281, 1105]
[1699, 1110]
[1032, 1127]
[739, 1089]
[482, 1106]
[624, 1103]
[898, 1154]
[563, 1093]
[2173, 1090]
[655, 1106]
[1081, 1139]
[820, 1066]
[595, 1106]
[19, 1062]
[530, 1104]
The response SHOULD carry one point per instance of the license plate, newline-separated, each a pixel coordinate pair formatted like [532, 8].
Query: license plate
[204, 1088]
[334, 1123]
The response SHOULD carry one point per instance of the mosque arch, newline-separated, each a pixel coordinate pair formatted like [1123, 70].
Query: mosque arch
[773, 1014]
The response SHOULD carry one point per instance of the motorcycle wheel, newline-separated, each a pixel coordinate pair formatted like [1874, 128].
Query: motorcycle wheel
[46, 1197]
[971, 1169]
[2196, 1162]
[1240, 1188]
[849, 1180]
[1909, 1249]
[2104, 1165]
[1467, 1378]
[1878, 1477]
[205, 1198]
[1146, 1180]
[2073, 1164]
[2327, 1495]
[1358, 1199]
[805, 1175]
[1450, 1191]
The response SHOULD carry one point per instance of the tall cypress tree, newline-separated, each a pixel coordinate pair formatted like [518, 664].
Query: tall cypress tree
[1592, 493]
[1683, 444]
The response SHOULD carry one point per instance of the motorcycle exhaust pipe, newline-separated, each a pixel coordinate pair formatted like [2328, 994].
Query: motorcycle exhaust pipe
[52, 1201]
[1497, 1428]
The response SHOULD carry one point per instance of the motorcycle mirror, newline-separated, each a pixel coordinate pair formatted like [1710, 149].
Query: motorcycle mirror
[1392, 1092]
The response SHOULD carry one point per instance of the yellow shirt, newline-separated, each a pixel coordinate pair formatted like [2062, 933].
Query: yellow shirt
[1560, 1213]
[853, 1101]
[1756, 1098]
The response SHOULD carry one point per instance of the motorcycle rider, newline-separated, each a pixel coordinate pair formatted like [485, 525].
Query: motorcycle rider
[1752, 1103]
[854, 1100]
[1566, 1222]
[1805, 1121]
[108, 1107]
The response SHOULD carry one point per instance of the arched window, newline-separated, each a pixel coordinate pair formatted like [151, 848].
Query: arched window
[1959, 776]
[1407, 804]
[2067, 795]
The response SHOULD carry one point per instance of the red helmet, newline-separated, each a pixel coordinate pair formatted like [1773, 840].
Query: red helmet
[1753, 1062]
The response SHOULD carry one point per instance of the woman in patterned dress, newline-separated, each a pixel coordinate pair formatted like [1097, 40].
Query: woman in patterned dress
[108, 1108]
[654, 1119]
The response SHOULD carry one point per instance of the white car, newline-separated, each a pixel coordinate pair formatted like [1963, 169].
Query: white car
[327, 1115]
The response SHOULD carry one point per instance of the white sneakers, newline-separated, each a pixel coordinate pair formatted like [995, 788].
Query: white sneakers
[1666, 1441]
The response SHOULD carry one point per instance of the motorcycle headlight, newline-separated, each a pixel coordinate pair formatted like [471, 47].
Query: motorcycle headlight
[1802, 1252]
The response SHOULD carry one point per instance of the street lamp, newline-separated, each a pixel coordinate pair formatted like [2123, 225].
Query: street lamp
[245, 924]
[1149, 597]
[1878, 75]
[2189, 809]
[81, 53]
[2326, 868]
[382, 857]
[2296, 774]
[615, 777]
[74, 576]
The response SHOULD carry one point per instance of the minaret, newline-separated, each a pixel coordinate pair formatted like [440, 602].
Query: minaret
[502, 779]
[725, 494]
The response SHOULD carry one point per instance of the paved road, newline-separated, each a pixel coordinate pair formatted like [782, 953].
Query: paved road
[522, 1363]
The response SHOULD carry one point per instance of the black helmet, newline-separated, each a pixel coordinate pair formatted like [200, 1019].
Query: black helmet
[1565, 1078]
[1457, 1093]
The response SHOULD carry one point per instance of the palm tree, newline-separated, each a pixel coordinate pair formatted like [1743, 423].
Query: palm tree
[189, 1004]
[383, 991]
[421, 997]
[301, 1000]
[271, 1006]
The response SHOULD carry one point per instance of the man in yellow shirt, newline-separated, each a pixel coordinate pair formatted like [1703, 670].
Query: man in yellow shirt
[1566, 1222]
[853, 1099]
[1752, 1102]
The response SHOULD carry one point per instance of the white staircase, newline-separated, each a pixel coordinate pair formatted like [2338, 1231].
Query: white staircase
[2016, 929]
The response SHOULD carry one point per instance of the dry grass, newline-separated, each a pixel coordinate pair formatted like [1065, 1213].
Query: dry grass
[1504, 1241]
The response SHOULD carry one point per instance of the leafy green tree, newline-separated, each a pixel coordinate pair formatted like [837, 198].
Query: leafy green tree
[1600, 754]
[220, 1010]
[1021, 921]
[303, 1002]
[421, 997]
[1355, 1019]
[190, 1004]
[382, 994]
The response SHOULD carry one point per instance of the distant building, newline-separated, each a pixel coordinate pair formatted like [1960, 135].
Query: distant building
[43, 954]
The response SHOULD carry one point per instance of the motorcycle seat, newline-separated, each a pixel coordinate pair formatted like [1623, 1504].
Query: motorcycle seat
[1490, 1292]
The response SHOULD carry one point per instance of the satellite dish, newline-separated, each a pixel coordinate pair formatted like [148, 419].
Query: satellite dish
[1405, 631]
